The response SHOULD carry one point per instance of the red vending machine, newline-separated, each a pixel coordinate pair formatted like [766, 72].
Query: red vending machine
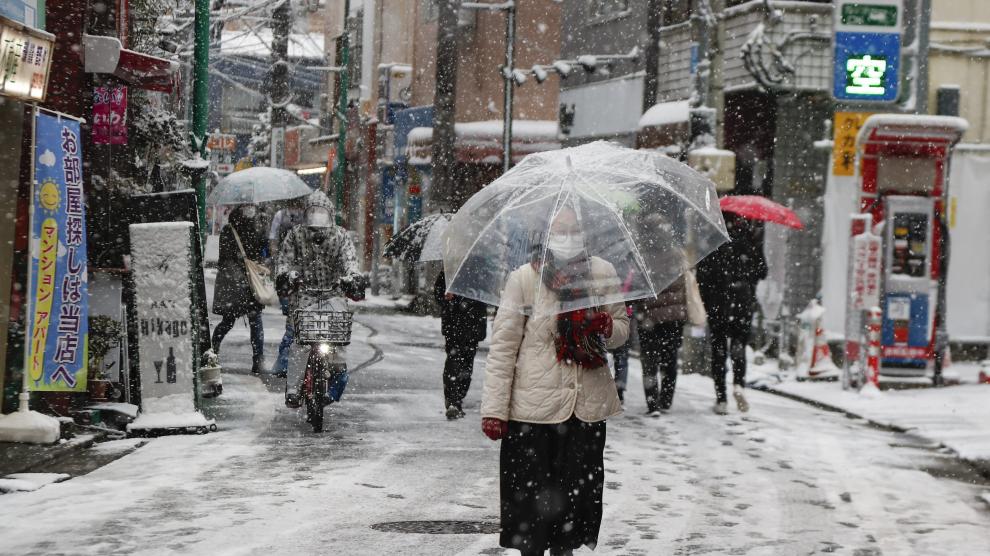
[903, 170]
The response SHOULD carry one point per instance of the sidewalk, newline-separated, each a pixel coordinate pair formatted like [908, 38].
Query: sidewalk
[955, 417]
[20, 458]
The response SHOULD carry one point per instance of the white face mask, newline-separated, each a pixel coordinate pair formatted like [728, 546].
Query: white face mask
[566, 247]
[249, 212]
[318, 218]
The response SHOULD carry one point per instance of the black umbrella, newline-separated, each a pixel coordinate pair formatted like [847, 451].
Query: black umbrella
[420, 241]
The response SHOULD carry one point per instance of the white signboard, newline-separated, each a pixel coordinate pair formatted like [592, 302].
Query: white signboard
[863, 291]
[865, 285]
[25, 58]
[161, 261]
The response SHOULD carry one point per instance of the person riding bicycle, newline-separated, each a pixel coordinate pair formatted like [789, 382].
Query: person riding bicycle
[316, 255]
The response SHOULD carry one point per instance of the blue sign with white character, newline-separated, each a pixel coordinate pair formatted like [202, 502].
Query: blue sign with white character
[867, 66]
[867, 50]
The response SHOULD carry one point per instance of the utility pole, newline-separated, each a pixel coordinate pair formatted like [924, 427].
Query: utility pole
[509, 87]
[444, 111]
[344, 82]
[708, 81]
[651, 83]
[278, 87]
[201, 103]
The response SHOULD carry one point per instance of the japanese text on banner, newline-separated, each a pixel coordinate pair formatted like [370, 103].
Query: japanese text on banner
[58, 355]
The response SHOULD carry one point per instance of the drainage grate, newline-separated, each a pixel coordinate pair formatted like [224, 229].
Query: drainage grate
[439, 527]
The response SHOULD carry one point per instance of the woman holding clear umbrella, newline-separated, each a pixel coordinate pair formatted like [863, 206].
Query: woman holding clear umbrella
[548, 391]
[540, 243]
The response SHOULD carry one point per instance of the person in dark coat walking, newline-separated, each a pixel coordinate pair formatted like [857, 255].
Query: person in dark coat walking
[727, 279]
[660, 322]
[232, 296]
[463, 324]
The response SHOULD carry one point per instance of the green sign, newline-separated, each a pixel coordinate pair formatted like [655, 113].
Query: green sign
[866, 75]
[869, 15]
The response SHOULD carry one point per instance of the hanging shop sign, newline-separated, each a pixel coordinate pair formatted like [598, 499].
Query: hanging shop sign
[110, 115]
[59, 300]
[222, 147]
[25, 60]
[165, 302]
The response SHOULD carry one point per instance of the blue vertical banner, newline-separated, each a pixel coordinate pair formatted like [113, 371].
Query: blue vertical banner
[59, 330]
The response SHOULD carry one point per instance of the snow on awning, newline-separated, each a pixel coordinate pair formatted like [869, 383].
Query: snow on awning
[106, 55]
[664, 124]
[666, 113]
[147, 72]
[481, 142]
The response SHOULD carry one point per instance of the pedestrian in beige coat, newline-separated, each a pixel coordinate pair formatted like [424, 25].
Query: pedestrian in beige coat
[547, 393]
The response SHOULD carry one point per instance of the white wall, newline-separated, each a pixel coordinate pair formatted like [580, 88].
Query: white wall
[605, 107]
[968, 302]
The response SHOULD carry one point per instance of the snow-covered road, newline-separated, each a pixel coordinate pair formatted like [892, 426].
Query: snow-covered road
[783, 479]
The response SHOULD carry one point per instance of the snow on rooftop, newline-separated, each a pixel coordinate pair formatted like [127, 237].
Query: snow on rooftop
[666, 113]
[257, 44]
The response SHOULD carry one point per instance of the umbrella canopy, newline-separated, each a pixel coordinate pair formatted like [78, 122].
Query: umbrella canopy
[258, 185]
[648, 215]
[420, 241]
[755, 207]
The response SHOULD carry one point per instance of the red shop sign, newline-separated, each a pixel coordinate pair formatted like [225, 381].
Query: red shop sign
[110, 115]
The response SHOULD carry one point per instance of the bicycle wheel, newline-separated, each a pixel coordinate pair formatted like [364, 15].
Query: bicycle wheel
[314, 401]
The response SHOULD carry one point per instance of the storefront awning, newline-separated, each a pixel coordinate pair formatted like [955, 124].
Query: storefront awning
[106, 55]
[664, 124]
[481, 142]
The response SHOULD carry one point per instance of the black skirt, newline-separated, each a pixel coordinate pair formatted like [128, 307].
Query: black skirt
[551, 483]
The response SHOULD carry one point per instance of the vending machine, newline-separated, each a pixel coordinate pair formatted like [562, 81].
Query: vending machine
[902, 163]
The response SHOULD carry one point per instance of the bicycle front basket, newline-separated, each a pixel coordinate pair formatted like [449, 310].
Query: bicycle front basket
[314, 326]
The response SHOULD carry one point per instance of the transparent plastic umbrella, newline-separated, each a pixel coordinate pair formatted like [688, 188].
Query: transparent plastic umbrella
[258, 185]
[648, 215]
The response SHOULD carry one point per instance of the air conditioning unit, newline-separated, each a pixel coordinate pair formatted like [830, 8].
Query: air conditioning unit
[400, 84]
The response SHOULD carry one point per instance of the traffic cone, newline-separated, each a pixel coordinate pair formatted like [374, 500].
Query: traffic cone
[814, 356]
[822, 366]
[985, 372]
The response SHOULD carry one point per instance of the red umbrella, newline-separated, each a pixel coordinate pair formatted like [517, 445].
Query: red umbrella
[755, 207]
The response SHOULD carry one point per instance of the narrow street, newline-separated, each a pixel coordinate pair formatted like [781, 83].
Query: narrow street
[784, 479]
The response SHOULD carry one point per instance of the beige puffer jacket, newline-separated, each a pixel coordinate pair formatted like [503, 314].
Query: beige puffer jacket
[523, 379]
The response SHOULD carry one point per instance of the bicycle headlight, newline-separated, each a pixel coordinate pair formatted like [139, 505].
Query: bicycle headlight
[324, 349]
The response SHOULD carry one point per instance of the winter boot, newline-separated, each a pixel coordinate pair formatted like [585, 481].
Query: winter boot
[741, 403]
[721, 408]
[454, 412]
[292, 401]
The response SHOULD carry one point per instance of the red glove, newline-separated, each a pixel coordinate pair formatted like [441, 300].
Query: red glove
[494, 428]
[600, 322]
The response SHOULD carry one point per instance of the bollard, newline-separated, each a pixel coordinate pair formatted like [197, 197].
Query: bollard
[873, 346]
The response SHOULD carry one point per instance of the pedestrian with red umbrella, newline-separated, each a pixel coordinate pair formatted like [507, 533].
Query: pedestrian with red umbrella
[727, 280]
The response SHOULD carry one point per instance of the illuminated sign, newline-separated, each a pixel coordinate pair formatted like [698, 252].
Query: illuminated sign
[867, 51]
[866, 75]
[25, 58]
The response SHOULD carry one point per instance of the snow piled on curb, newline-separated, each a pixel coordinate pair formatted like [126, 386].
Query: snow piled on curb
[26, 482]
